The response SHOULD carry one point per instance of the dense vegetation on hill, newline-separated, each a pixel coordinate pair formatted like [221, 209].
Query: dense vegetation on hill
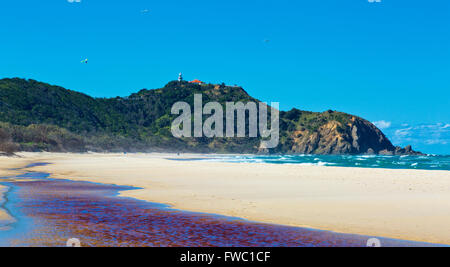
[35, 116]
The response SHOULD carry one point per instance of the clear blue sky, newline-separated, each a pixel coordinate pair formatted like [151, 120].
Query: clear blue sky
[387, 61]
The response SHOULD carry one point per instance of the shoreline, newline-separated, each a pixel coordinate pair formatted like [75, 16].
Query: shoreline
[7, 168]
[5, 217]
[398, 204]
[54, 221]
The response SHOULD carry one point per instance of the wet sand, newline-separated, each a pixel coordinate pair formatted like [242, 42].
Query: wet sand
[400, 204]
[7, 166]
[61, 209]
[4, 216]
[11, 167]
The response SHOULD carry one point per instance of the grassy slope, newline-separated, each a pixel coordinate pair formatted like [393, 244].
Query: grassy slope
[39, 116]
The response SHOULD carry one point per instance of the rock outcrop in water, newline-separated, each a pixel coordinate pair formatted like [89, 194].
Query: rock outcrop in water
[35, 116]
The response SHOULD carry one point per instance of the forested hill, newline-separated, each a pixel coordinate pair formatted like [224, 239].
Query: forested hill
[36, 116]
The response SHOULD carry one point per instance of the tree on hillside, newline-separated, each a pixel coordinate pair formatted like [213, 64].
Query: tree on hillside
[6, 146]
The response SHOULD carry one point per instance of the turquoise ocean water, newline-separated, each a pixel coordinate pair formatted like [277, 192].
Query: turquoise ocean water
[430, 162]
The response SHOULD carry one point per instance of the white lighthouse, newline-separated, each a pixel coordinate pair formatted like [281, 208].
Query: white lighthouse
[180, 77]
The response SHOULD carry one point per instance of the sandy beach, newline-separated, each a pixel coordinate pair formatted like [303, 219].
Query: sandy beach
[6, 164]
[403, 204]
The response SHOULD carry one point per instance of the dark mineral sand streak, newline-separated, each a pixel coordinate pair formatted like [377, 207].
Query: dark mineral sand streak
[56, 210]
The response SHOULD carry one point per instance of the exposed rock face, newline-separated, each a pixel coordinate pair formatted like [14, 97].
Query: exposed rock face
[401, 151]
[327, 140]
[359, 136]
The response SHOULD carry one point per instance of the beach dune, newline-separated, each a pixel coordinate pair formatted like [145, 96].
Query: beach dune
[403, 204]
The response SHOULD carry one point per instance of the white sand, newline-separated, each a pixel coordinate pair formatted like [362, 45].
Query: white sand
[404, 204]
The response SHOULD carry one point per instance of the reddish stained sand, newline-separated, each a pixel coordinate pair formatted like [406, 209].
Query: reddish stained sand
[91, 212]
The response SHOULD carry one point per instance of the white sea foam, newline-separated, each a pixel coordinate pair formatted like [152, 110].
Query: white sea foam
[368, 156]
[408, 162]
[321, 163]
[307, 164]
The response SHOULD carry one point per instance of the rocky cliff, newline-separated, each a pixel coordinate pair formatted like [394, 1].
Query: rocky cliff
[340, 133]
